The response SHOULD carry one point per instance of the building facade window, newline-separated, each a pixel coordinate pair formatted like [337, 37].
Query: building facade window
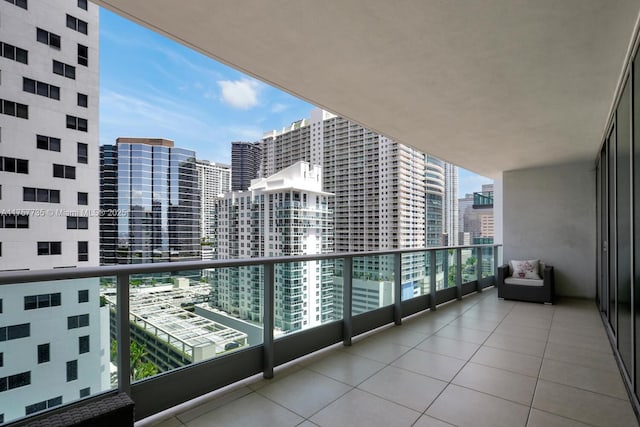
[79, 321]
[10, 164]
[76, 123]
[83, 295]
[14, 221]
[83, 153]
[72, 370]
[77, 24]
[49, 248]
[63, 171]
[14, 109]
[83, 198]
[51, 39]
[77, 223]
[32, 302]
[14, 381]
[84, 392]
[82, 4]
[83, 344]
[44, 353]
[19, 3]
[83, 251]
[14, 332]
[62, 69]
[50, 143]
[14, 53]
[83, 55]
[83, 100]
[41, 406]
[30, 194]
[40, 88]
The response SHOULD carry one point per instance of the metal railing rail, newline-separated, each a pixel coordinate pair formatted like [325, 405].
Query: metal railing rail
[124, 272]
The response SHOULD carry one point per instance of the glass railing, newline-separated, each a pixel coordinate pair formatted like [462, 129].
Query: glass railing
[188, 328]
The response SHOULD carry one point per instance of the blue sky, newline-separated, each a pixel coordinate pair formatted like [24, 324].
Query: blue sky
[151, 86]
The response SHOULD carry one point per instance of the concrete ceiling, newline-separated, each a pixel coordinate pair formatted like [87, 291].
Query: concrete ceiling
[490, 85]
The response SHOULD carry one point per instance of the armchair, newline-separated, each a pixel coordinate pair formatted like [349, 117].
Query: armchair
[535, 283]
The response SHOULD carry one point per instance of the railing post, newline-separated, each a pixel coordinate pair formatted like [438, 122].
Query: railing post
[479, 268]
[397, 286]
[432, 278]
[267, 321]
[123, 334]
[459, 274]
[347, 296]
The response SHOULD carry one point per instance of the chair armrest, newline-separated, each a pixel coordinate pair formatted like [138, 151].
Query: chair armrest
[549, 282]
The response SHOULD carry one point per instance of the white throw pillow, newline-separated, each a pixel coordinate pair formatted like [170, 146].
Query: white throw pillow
[527, 269]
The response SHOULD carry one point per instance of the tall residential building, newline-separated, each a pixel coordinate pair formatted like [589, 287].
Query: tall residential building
[435, 200]
[380, 195]
[214, 179]
[476, 215]
[451, 209]
[246, 158]
[151, 202]
[284, 214]
[57, 331]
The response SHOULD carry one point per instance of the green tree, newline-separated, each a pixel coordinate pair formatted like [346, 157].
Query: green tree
[140, 368]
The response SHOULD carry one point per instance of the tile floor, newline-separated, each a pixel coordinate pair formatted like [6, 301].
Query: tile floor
[479, 362]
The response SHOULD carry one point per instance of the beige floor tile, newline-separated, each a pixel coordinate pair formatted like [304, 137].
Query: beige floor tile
[527, 320]
[212, 404]
[580, 356]
[304, 392]
[539, 418]
[431, 364]
[449, 347]
[381, 350]
[517, 344]
[403, 336]
[508, 360]
[167, 422]
[464, 407]
[497, 382]
[359, 408]
[427, 421]
[307, 423]
[347, 368]
[251, 410]
[483, 315]
[475, 323]
[581, 405]
[523, 331]
[406, 388]
[588, 342]
[588, 378]
[460, 333]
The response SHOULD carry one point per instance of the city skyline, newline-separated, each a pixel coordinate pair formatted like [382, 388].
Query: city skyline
[167, 90]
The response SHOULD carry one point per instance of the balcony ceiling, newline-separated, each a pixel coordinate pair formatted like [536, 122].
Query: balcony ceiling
[490, 85]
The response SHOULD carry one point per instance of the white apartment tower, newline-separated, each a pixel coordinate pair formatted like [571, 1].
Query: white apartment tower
[380, 195]
[451, 213]
[214, 179]
[53, 336]
[284, 214]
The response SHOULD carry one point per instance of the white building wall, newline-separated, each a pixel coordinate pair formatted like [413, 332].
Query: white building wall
[48, 221]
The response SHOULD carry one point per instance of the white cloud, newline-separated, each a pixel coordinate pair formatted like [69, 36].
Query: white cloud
[241, 94]
[278, 108]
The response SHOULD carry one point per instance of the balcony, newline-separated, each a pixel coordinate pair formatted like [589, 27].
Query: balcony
[209, 349]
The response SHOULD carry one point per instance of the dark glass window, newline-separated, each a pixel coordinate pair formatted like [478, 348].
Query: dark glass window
[62, 171]
[44, 36]
[83, 100]
[44, 353]
[72, 370]
[83, 198]
[83, 344]
[83, 153]
[84, 392]
[83, 55]
[83, 251]
[48, 143]
[49, 248]
[83, 295]
[82, 4]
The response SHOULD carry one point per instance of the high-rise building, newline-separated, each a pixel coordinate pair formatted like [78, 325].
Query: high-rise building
[380, 202]
[476, 215]
[435, 200]
[451, 212]
[246, 160]
[214, 179]
[284, 214]
[151, 202]
[57, 331]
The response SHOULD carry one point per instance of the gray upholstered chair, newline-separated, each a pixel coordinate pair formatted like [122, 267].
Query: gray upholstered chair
[526, 288]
